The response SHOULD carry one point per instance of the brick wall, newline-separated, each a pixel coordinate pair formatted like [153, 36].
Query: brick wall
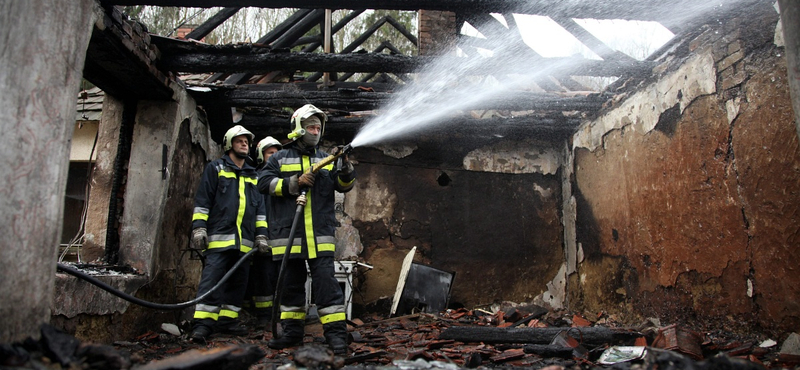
[437, 32]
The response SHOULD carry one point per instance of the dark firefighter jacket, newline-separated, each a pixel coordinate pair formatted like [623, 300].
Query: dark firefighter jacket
[229, 206]
[315, 234]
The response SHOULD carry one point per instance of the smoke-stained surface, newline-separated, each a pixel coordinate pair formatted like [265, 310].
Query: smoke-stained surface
[698, 212]
[499, 232]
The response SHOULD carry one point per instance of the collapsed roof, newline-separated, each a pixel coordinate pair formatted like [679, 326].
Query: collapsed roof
[253, 83]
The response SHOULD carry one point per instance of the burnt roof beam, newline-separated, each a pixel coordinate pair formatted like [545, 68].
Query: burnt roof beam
[353, 100]
[598, 9]
[589, 40]
[204, 62]
[286, 39]
[276, 32]
[554, 127]
[212, 23]
[315, 41]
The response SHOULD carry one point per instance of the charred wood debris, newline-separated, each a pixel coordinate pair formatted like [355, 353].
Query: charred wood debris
[517, 337]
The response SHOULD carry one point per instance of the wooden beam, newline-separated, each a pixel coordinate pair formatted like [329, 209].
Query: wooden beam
[266, 39]
[593, 43]
[597, 9]
[546, 127]
[230, 62]
[316, 40]
[284, 40]
[593, 335]
[115, 65]
[212, 23]
[349, 100]
[342, 86]
[402, 30]
[384, 45]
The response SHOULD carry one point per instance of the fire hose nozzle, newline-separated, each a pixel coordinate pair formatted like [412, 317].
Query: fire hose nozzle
[345, 149]
[331, 158]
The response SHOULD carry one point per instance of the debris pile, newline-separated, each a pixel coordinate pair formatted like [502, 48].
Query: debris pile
[514, 337]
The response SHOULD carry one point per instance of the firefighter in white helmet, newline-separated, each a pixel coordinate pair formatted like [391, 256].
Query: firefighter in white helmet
[283, 177]
[263, 270]
[225, 226]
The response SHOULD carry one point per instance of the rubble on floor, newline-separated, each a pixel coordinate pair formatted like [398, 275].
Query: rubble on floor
[527, 337]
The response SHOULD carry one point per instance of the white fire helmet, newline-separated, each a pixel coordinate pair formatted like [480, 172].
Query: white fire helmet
[301, 114]
[264, 144]
[238, 130]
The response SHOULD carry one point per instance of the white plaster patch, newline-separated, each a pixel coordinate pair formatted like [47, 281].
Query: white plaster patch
[514, 157]
[396, 151]
[778, 40]
[696, 77]
[556, 290]
[544, 193]
[732, 107]
[378, 204]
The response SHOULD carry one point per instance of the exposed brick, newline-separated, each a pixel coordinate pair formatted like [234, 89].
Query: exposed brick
[734, 47]
[730, 60]
[735, 79]
[127, 28]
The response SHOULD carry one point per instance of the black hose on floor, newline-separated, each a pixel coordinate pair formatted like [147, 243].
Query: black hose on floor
[158, 306]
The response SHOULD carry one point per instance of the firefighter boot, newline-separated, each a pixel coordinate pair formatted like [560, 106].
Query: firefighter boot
[263, 318]
[200, 333]
[230, 326]
[292, 335]
[336, 336]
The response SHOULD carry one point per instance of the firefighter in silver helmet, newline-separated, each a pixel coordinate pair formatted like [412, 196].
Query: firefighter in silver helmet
[229, 220]
[283, 177]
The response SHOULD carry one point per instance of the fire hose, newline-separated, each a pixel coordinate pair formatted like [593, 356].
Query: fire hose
[158, 306]
[175, 306]
[276, 306]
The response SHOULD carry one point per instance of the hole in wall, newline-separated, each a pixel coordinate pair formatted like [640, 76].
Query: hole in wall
[443, 179]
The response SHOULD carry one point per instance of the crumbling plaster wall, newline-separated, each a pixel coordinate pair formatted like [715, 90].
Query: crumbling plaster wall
[155, 227]
[39, 75]
[687, 191]
[488, 212]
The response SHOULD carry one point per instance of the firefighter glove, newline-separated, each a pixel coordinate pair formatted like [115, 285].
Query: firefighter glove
[347, 166]
[306, 180]
[200, 238]
[301, 200]
[262, 245]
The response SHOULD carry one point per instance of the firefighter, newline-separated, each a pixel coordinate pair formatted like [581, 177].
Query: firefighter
[229, 220]
[286, 173]
[263, 270]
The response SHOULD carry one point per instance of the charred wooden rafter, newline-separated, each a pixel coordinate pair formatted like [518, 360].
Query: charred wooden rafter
[354, 100]
[385, 45]
[598, 9]
[204, 29]
[316, 40]
[586, 38]
[203, 61]
[286, 39]
[552, 126]
[118, 66]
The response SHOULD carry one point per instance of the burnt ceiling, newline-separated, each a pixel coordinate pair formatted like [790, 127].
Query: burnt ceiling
[253, 83]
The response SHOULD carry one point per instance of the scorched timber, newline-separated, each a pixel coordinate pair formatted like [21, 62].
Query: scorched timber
[553, 127]
[239, 62]
[515, 101]
[597, 9]
[262, 63]
[596, 335]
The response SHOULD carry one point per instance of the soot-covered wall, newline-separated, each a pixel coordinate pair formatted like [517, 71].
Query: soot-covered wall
[688, 191]
[490, 214]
